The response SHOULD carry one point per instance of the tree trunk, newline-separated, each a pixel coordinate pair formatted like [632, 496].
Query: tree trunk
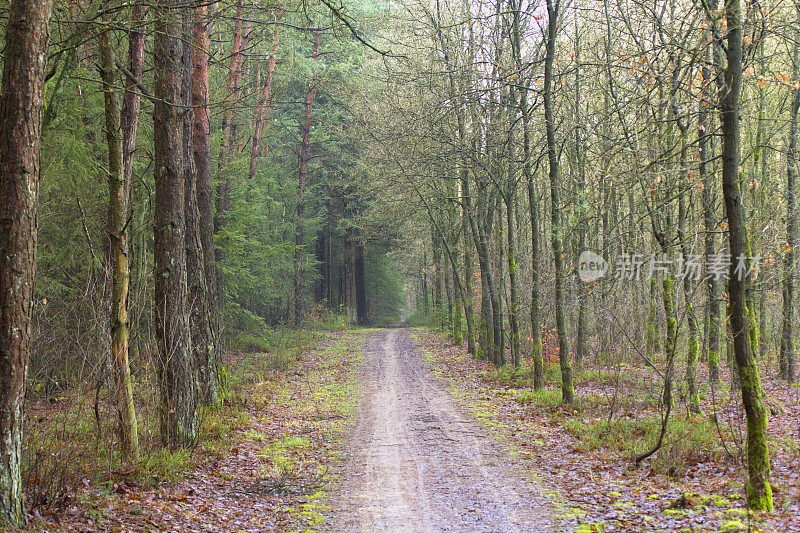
[299, 302]
[201, 148]
[26, 40]
[758, 490]
[567, 391]
[200, 305]
[131, 102]
[516, 358]
[510, 201]
[469, 308]
[176, 370]
[692, 349]
[117, 259]
[536, 328]
[581, 348]
[786, 365]
[263, 110]
[706, 143]
[361, 285]
[350, 281]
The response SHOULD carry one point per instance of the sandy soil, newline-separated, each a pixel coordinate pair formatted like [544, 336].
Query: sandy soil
[418, 462]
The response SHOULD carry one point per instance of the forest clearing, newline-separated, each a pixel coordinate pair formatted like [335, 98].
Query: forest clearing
[389, 265]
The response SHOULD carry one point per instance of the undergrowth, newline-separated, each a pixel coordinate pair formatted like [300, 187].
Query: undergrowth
[686, 442]
[70, 440]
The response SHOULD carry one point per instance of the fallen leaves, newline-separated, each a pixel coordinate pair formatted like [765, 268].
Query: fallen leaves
[268, 475]
[599, 488]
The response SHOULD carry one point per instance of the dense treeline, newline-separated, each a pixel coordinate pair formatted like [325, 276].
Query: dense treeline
[211, 170]
[659, 137]
[200, 182]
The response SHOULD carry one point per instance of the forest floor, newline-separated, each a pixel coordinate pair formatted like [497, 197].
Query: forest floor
[584, 453]
[263, 461]
[400, 430]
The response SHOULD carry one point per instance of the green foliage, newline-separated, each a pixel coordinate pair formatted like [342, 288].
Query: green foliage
[419, 319]
[321, 318]
[549, 397]
[385, 298]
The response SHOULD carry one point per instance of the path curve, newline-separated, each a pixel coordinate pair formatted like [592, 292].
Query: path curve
[418, 462]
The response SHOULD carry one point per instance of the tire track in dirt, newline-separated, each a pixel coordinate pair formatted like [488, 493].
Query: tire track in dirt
[418, 462]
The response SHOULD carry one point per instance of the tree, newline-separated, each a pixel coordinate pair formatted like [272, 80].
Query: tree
[530, 183]
[201, 142]
[117, 251]
[176, 369]
[567, 392]
[265, 107]
[241, 34]
[786, 366]
[706, 147]
[302, 174]
[759, 492]
[27, 35]
[201, 306]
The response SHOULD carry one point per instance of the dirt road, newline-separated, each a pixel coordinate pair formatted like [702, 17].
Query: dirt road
[418, 462]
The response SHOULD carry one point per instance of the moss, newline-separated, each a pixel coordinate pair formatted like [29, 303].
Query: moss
[691, 373]
[733, 525]
[760, 500]
[713, 365]
[751, 317]
[759, 492]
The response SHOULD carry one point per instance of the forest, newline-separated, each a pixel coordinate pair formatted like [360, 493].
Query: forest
[399, 265]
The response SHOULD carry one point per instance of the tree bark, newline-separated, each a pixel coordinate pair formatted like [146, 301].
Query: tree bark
[201, 142]
[176, 369]
[759, 491]
[117, 259]
[706, 144]
[692, 349]
[567, 391]
[536, 328]
[581, 347]
[26, 40]
[201, 307]
[786, 366]
[131, 102]
[361, 285]
[510, 202]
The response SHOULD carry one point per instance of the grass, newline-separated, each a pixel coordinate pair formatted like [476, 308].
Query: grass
[687, 441]
[259, 356]
[551, 397]
[70, 440]
[522, 377]
[284, 453]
